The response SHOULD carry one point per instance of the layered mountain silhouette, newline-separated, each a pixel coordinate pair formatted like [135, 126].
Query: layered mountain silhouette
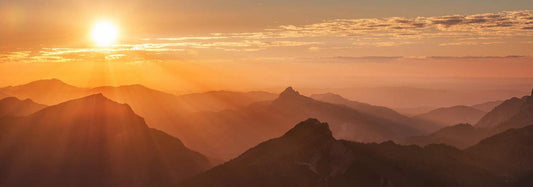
[48, 91]
[11, 106]
[460, 136]
[508, 153]
[226, 134]
[453, 115]
[512, 113]
[487, 106]
[378, 111]
[91, 141]
[501, 113]
[308, 155]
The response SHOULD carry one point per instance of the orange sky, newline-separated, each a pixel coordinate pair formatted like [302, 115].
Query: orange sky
[199, 45]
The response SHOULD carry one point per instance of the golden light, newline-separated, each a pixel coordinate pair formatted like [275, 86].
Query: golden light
[104, 33]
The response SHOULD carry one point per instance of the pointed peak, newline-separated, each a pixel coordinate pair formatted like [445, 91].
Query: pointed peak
[309, 129]
[289, 92]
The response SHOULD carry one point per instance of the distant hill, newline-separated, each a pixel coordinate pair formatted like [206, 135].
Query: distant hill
[225, 134]
[11, 106]
[308, 155]
[47, 91]
[91, 141]
[378, 111]
[412, 97]
[512, 113]
[487, 106]
[452, 115]
[508, 153]
[460, 136]
[501, 113]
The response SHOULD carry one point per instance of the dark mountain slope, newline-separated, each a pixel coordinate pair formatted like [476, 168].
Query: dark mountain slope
[91, 141]
[12, 106]
[508, 153]
[460, 136]
[501, 113]
[227, 133]
[308, 155]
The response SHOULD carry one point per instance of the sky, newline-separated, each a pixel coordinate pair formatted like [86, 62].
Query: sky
[188, 45]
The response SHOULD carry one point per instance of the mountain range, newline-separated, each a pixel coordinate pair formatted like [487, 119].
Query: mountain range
[227, 133]
[512, 113]
[308, 155]
[222, 124]
[11, 106]
[91, 141]
[92, 137]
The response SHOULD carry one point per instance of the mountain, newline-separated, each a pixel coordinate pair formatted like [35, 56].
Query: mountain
[512, 113]
[452, 115]
[47, 91]
[509, 153]
[11, 106]
[460, 136]
[378, 111]
[425, 95]
[523, 117]
[487, 106]
[227, 133]
[501, 113]
[91, 141]
[308, 155]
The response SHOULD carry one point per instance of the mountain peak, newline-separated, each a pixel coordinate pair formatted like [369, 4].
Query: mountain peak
[289, 92]
[309, 129]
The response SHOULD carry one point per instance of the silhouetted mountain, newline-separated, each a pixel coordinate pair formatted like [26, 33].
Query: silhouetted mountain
[512, 113]
[49, 91]
[522, 118]
[501, 113]
[225, 134]
[91, 141]
[508, 153]
[460, 136]
[308, 155]
[410, 97]
[487, 106]
[11, 106]
[452, 115]
[378, 111]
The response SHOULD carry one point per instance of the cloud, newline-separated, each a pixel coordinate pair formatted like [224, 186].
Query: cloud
[342, 36]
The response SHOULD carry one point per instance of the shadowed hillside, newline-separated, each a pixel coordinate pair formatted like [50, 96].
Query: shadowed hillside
[91, 141]
[308, 155]
[227, 133]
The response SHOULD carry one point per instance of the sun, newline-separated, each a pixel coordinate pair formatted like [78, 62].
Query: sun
[104, 33]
